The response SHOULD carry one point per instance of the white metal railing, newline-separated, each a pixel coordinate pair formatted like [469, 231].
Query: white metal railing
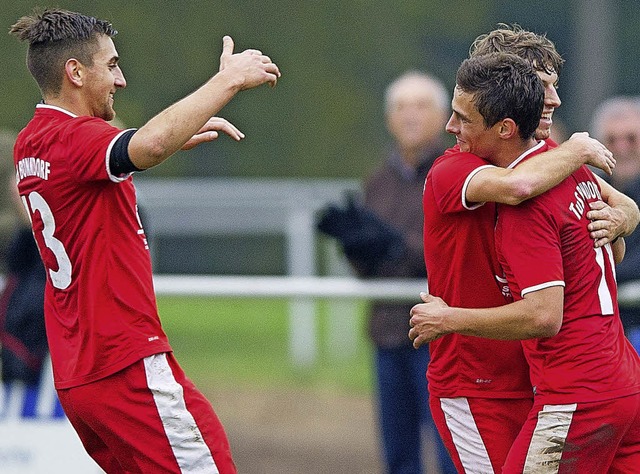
[206, 206]
[302, 291]
[289, 287]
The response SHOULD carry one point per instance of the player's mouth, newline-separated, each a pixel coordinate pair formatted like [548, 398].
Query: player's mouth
[545, 118]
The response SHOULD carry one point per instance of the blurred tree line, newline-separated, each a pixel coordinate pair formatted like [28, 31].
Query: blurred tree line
[325, 117]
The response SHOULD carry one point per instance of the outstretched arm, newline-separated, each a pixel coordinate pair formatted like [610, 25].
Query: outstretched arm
[538, 314]
[539, 173]
[172, 128]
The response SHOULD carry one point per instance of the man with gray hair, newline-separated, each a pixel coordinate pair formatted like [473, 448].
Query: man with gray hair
[382, 238]
[616, 123]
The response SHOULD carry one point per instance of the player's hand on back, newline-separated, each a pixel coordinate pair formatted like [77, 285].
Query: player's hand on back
[251, 67]
[606, 224]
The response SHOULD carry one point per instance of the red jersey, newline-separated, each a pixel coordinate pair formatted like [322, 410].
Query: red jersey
[545, 242]
[462, 269]
[100, 309]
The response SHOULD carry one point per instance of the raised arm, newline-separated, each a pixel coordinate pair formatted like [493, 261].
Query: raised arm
[539, 173]
[538, 314]
[172, 128]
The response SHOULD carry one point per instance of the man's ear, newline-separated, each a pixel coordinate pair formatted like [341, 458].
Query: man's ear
[507, 128]
[74, 71]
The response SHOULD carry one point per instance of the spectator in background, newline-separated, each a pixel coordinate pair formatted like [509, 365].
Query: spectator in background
[616, 123]
[23, 339]
[382, 238]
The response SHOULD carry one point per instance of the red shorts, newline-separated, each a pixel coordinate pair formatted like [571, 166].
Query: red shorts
[148, 418]
[595, 438]
[478, 432]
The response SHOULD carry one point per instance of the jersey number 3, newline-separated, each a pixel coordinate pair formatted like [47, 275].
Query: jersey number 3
[61, 278]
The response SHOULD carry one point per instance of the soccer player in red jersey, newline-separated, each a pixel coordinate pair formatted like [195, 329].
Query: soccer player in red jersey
[583, 370]
[485, 383]
[116, 377]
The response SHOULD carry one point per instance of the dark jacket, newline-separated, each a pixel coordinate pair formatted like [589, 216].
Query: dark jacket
[394, 193]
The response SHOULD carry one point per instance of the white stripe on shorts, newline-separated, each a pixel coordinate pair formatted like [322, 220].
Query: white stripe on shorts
[190, 450]
[549, 438]
[466, 437]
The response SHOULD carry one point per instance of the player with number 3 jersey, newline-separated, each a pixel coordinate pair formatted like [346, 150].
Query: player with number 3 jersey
[122, 389]
[82, 214]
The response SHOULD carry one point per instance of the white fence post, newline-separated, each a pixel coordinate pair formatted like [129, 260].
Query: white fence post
[303, 339]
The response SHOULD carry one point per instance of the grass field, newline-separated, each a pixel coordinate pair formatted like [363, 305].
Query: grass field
[228, 341]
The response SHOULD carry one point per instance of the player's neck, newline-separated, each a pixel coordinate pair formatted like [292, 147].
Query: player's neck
[511, 150]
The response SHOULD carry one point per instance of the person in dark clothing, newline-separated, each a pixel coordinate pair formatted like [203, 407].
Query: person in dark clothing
[23, 341]
[22, 332]
[382, 238]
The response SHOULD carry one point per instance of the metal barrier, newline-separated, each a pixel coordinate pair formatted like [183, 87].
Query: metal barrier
[303, 291]
[192, 207]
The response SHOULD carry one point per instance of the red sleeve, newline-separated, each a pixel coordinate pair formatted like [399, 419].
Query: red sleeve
[529, 246]
[450, 176]
[89, 141]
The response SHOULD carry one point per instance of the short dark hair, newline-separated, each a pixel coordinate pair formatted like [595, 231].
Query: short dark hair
[503, 86]
[54, 36]
[535, 48]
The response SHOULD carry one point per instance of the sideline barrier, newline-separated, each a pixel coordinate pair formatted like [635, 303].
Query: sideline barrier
[290, 287]
[35, 435]
[304, 290]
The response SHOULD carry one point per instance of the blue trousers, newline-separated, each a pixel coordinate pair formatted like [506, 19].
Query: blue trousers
[403, 404]
[633, 334]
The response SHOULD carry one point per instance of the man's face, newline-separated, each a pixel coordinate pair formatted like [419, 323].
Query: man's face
[621, 135]
[414, 117]
[468, 126]
[102, 80]
[551, 102]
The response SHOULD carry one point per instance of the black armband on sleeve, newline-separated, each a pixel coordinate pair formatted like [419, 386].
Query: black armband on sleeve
[119, 161]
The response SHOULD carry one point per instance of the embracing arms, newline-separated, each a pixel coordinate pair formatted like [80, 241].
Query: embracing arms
[538, 314]
[539, 173]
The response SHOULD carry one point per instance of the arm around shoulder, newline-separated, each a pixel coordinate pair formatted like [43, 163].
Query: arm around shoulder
[538, 173]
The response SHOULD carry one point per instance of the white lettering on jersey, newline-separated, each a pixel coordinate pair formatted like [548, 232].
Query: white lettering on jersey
[504, 286]
[585, 190]
[32, 167]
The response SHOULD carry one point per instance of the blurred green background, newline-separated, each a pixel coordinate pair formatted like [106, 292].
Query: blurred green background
[325, 116]
[229, 342]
